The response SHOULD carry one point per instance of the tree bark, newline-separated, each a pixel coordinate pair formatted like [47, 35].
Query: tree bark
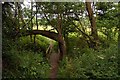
[54, 58]
[51, 35]
[61, 41]
[31, 27]
[93, 24]
[36, 16]
[62, 45]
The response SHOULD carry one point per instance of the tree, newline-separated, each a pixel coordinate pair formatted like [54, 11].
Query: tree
[93, 24]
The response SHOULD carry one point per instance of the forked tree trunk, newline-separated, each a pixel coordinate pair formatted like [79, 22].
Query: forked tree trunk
[93, 24]
[56, 57]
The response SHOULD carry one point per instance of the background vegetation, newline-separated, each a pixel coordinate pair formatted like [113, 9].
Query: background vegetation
[89, 54]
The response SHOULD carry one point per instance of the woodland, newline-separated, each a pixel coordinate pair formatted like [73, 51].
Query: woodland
[72, 40]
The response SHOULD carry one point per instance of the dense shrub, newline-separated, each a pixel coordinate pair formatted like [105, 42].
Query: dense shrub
[25, 64]
[41, 43]
[91, 64]
[20, 60]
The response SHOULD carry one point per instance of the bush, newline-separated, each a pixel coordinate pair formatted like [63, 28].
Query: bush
[91, 64]
[41, 43]
[20, 62]
[76, 44]
[25, 64]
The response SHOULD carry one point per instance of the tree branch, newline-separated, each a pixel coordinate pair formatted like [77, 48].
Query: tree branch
[49, 34]
[49, 20]
[31, 18]
[80, 29]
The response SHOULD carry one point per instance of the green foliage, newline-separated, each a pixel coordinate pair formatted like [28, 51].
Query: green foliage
[40, 45]
[22, 58]
[102, 64]
[24, 64]
[33, 66]
[30, 66]
[107, 20]
[76, 44]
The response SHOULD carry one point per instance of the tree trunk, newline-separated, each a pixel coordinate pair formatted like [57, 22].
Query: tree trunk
[36, 16]
[62, 45]
[93, 24]
[31, 27]
[55, 57]
[51, 35]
